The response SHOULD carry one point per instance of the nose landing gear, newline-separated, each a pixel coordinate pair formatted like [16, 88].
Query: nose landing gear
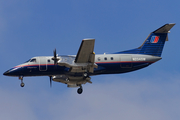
[22, 84]
[21, 78]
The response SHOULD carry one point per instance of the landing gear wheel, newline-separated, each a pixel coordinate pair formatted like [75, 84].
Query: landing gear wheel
[80, 90]
[21, 78]
[22, 84]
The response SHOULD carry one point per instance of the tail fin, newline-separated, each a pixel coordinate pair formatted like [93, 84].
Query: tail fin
[154, 43]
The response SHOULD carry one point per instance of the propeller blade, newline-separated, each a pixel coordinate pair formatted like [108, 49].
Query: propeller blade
[50, 81]
[55, 57]
[55, 53]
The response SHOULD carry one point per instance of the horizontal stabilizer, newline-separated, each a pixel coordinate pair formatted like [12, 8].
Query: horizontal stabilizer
[165, 28]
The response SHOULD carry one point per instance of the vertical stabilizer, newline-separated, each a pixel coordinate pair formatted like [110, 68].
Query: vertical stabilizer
[154, 43]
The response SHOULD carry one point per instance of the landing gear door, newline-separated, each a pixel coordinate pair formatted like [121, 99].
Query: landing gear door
[126, 61]
[42, 64]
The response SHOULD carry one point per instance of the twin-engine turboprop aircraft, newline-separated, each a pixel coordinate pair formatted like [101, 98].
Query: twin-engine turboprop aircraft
[75, 70]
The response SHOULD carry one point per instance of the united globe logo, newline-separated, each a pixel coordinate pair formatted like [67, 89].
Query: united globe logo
[154, 39]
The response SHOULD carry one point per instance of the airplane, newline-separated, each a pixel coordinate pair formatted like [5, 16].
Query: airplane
[75, 70]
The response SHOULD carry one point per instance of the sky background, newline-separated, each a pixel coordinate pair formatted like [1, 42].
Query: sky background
[31, 28]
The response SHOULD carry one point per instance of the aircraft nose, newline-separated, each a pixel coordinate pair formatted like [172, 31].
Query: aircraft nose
[6, 73]
[10, 72]
[15, 71]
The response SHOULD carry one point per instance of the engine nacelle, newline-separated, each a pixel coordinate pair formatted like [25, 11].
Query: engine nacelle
[71, 80]
[73, 85]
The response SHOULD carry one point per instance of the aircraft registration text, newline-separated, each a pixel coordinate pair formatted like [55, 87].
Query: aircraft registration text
[139, 59]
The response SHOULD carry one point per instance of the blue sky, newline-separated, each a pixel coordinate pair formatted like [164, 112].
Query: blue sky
[31, 28]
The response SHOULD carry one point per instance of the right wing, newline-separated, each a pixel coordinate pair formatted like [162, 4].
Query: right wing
[86, 51]
[85, 58]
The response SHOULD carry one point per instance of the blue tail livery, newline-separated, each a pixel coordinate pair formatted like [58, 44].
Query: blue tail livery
[154, 43]
[76, 70]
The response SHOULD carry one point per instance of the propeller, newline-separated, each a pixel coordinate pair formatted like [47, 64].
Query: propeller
[50, 81]
[55, 57]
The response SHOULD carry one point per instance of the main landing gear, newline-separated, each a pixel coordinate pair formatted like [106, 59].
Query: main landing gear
[21, 78]
[80, 90]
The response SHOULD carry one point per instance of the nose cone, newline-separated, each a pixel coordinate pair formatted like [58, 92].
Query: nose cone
[6, 73]
[12, 72]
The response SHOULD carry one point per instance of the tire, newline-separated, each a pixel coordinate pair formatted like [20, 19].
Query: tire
[80, 90]
[22, 84]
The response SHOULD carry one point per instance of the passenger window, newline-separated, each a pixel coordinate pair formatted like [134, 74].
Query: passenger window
[111, 58]
[33, 60]
[105, 58]
[48, 60]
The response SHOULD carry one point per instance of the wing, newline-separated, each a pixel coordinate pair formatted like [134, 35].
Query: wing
[86, 51]
[85, 58]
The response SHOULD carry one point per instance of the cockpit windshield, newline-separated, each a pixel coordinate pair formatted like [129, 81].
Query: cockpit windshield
[31, 60]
